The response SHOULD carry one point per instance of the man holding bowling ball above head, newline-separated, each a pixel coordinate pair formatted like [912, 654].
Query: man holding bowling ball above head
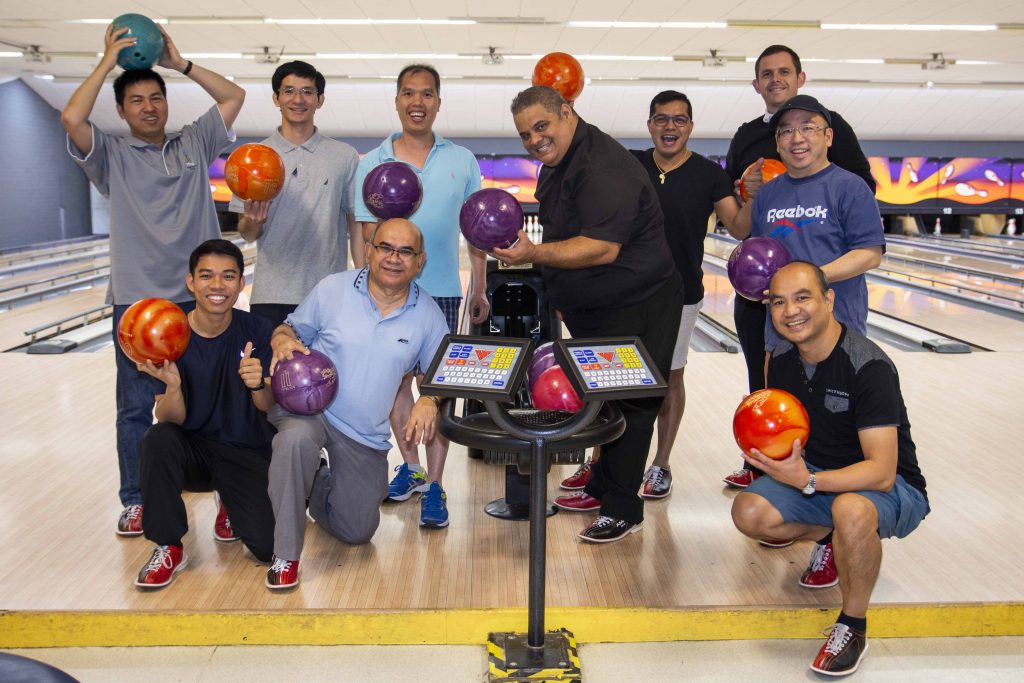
[212, 431]
[160, 208]
[375, 325]
[778, 76]
[608, 269]
[311, 222]
[449, 174]
[856, 480]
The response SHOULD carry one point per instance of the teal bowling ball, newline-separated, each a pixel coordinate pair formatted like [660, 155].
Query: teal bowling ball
[149, 44]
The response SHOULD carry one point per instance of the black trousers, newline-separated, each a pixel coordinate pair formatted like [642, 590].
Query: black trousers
[750, 319]
[275, 313]
[620, 470]
[173, 460]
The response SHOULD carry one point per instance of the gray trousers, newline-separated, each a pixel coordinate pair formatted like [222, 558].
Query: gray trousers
[344, 498]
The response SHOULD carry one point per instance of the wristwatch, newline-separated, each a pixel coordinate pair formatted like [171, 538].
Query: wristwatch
[263, 385]
[811, 484]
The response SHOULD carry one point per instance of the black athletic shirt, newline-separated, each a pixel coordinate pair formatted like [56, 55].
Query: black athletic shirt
[600, 191]
[856, 387]
[687, 199]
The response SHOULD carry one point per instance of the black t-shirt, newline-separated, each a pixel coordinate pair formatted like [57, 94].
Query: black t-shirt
[600, 191]
[218, 405]
[754, 140]
[856, 387]
[687, 199]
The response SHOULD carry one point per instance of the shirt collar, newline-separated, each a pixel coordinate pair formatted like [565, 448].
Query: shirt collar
[362, 285]
[767, 118]
[138, 142]
[389, 145]
[309, 145]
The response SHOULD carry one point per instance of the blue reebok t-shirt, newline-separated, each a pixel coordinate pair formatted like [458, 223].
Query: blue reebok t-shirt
[818, 219]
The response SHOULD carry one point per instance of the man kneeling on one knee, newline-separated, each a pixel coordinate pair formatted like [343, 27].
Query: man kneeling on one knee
[375, 324]
[856, 480]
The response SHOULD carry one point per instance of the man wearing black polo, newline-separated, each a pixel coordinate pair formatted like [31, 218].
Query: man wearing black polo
[608, 268]
[778, 76]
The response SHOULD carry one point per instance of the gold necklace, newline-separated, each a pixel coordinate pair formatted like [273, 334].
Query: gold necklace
[663, 171]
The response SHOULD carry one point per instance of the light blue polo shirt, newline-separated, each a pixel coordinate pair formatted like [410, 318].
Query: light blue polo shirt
[372, 354]
[449, 176]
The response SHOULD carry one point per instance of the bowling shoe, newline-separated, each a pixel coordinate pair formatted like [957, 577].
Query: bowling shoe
[657, 482]
[434, 507]
[741, 479]
[577, 502]
[130, 521]
[842, 652]
[166, 561]
[821, 572]
[283, 574]
[222, 529]
[407, 482]
[608, 529]
[579, 480]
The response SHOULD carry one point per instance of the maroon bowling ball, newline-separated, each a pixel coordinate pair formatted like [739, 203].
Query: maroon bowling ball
[491, 218]
[392, 190]
[552, 391]
[543, 358]
[305, 385]
[753, 263]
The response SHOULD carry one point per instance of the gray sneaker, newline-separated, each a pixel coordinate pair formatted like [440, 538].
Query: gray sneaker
[657, 482]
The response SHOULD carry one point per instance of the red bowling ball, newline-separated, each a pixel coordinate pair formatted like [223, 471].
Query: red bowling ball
[153, 329]
[562, 72]
[552, 391]
[770, 420]
[254, 172]
[770, 169]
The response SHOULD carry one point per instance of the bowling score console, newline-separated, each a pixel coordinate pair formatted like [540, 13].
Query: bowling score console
[490, 369]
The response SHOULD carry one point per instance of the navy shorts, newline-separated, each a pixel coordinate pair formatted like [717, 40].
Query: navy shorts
[449, 305]
[900, 509]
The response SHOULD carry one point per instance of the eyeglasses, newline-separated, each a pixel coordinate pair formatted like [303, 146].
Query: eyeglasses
[387, 251]
[291, 92]
[661, 120]
[807, 131]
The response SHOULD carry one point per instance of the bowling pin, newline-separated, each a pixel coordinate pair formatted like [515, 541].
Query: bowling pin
[1011, 227]
[991, 175]
[912, 173]
[946, 173]
[938, 227]
[965, 190]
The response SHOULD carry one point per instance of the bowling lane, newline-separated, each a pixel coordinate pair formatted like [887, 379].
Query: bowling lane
[14, 322]
[968, 284]
[978, 263]
[58, 271]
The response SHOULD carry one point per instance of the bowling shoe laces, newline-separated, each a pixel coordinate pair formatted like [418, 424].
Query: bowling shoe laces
[657, 483]
[166, 561]
[283, 574]
[821, 572]
[222, 529]
[741, 479]
[407, 482]
[434, 507]
[130, 521]
[842, 652]
[579, 480]
[608, 529]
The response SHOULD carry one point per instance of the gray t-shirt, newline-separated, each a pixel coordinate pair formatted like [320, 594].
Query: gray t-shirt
[160, 204]
[305, 238]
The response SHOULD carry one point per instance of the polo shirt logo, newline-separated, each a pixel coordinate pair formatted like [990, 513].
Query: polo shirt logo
[836, 401]
[403, 341]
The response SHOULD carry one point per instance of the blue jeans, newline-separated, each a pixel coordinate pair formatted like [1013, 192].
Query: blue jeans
[135, 392]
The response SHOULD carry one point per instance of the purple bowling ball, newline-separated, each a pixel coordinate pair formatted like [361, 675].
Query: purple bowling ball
[491, 218]
[392, 190]
[752, 264]
[543, 358]
[305, 385]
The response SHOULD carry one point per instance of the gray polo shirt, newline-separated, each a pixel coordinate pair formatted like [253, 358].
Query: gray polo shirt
[161, 207]
[305, 238]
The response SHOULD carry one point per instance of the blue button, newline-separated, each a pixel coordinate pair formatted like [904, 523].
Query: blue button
[647, 380]
[456, 347]
[593, 385]
[453, 354]
[463, 355]
[577, 352]
[498, 383]
[440, 379]
[589, 352]
[467, 347]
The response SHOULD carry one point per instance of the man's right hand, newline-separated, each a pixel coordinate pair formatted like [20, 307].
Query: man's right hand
[284, 346]
[256, 211]
[114, 41]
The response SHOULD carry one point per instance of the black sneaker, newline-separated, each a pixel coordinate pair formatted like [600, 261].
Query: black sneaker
[608, 529]
[842, 652]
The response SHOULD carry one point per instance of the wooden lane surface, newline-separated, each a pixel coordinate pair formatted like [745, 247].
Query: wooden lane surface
[58, 453]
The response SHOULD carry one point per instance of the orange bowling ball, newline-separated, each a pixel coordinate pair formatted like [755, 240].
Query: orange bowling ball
[770, 420]
[562, 72]
[254, 172]
[153, 329]
[770, 169]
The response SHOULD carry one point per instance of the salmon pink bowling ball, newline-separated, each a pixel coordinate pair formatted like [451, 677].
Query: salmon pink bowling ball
[562, 72]
[153, 329]
[770, 169]
[255, 172]
[305, 385]
[770, 420]
[552, 391]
